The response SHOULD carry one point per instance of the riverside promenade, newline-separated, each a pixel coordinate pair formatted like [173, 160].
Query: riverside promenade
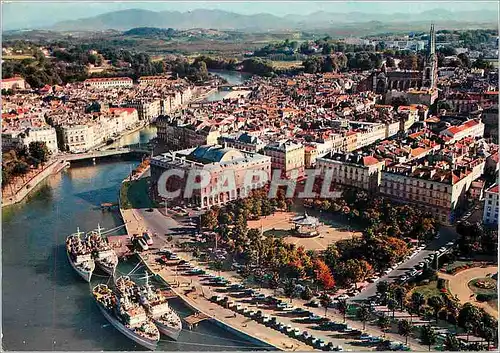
[54, 167]
[198, 299]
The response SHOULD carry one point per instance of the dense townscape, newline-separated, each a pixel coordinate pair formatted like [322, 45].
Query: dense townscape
[349, 193]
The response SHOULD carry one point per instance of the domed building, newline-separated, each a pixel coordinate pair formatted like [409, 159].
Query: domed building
[232, 174]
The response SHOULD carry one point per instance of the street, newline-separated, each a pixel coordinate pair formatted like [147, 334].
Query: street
[447, 234]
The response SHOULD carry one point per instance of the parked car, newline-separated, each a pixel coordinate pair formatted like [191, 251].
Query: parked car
[314, 303]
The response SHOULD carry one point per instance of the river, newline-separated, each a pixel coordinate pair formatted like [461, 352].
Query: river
[46, 306]
[232, 77]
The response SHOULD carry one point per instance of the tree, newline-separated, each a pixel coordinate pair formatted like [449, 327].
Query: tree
[389, 62]
[307, 294]
[405, 329]
[342, 307]
[363, 314]
[209, 220]
[323, 274]
[399, 295]
[326, 301]
[469, 314]
[384, 323]
[39, 150]
[451, 343]
[428, 336]
[464, 59]
[382, 289]
[392, 304]
[416, 302]
[357, 270]
[437, 304]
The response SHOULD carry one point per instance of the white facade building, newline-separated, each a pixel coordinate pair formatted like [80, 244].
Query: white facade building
[110, 82]
[490, 212]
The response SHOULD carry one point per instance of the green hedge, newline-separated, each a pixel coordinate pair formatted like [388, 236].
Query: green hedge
[486, 297]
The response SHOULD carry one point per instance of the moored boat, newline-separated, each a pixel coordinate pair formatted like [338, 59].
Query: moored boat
[104, 255]
[126, 316]
[163, 316]
[80, 256]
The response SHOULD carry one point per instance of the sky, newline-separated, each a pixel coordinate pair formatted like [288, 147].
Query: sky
[23, 14]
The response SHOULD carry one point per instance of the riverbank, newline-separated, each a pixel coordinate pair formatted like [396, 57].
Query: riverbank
[55, 167]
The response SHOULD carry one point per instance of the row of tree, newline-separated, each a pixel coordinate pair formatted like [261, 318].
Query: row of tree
[18, 162]
[471, 319]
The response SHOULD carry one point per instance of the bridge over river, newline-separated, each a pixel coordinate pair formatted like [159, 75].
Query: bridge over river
[130, 149]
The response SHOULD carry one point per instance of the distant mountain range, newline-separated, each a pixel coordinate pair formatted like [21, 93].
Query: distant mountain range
[223, 20]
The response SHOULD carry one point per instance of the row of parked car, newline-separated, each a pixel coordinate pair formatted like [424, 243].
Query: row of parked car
[272, 321]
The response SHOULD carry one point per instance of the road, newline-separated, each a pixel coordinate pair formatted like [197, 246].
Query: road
[156, 222]
[447, 234]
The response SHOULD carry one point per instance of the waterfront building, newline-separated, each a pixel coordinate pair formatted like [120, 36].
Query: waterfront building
[147, 109]
[111, 82]
[79, 138]
[219, 162]
[177, 133]
[363, 172]
[45, 134]
[286, 156]
[15, 139]
[490, 211]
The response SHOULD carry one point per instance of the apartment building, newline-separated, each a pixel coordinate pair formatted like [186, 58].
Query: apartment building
[80, 138]
[219, 162]
[244, 142]
[153, 80]
[45, 134]
[490, 212]
[286, 156]
[177, 133]
[356, 170]
[13, 83]
[110, 82]
[23, 137]
[441, 191]
[474, 128]
[146, 109]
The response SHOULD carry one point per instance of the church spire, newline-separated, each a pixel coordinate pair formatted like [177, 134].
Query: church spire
[431, 49]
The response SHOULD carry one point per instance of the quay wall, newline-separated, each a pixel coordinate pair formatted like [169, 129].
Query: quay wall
[219, 323]
[53, 168]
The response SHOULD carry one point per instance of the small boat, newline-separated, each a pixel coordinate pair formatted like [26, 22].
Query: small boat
[80, 256]
[126, 316]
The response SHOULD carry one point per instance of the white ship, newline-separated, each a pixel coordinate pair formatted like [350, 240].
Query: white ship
[126, 316]
[80, 255]
[104, 255]
[163, 316]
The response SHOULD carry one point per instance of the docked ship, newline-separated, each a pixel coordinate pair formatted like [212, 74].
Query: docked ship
[104, 255]
[156, 305]
[126, 316]
[163, 316]
[80, 255]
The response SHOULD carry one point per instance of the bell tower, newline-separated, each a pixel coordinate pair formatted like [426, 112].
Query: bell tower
[429, 74]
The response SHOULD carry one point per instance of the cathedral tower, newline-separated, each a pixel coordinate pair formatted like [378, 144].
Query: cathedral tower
[429, 74]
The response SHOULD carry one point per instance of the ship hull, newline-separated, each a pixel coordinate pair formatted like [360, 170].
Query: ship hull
[86, 275]
[144, 342]
[110, 271]
[170, 332]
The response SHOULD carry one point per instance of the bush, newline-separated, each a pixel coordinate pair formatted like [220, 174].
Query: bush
[441, 283]
[486, 297]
